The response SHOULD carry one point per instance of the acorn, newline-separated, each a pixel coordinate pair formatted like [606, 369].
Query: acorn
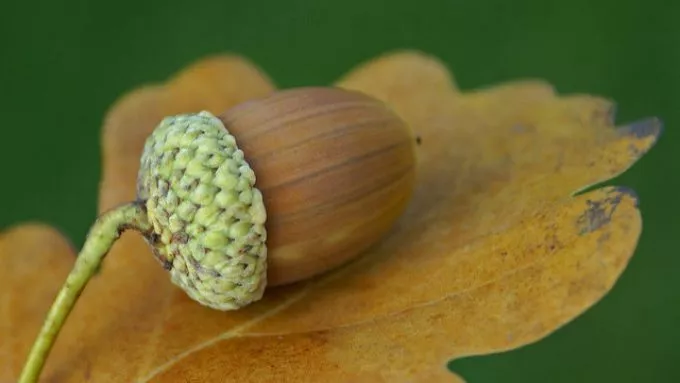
[273, 191]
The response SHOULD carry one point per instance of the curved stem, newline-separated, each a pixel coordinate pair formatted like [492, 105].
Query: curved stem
[105, 231]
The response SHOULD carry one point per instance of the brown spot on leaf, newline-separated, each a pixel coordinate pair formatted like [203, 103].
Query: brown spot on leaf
[599, 212]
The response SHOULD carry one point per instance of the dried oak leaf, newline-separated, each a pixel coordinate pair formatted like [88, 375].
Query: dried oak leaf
[494, 252]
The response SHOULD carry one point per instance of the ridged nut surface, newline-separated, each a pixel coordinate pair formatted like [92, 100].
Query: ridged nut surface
[336, 169]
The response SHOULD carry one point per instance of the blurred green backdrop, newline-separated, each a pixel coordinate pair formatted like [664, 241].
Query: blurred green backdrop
[64, 63]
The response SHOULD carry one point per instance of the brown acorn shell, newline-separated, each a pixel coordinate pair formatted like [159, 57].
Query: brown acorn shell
[336, 169]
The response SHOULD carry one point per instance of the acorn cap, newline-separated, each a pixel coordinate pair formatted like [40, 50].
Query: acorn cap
[208, 217]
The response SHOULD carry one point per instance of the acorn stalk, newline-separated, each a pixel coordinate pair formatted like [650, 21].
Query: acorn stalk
[105, 231]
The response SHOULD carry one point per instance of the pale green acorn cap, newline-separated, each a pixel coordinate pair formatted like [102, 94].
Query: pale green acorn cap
[208, 217]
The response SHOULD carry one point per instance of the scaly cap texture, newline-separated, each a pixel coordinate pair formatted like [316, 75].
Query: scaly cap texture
[208, 218]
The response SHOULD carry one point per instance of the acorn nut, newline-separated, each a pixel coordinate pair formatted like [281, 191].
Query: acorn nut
[273, 191]
[336, 168]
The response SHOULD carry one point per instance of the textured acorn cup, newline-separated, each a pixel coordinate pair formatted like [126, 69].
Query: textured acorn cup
[207, 217]
[336, 169]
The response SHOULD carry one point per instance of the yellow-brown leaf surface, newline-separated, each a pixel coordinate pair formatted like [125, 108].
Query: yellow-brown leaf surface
[494, 252]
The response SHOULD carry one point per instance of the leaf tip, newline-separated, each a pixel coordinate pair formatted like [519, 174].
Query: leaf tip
[36, 231]
[651, 127]
[627, 192]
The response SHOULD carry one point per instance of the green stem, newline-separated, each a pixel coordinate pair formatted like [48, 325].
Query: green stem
[105, 231]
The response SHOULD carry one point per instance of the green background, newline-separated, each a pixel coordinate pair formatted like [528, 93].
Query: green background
[64, 63]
